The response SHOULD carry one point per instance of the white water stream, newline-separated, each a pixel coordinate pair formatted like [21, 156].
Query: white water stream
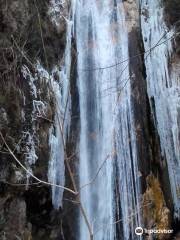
[106, 119]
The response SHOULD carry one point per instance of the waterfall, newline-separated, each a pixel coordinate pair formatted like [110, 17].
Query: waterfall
[108, 151]
[60, 131]
[106, 118]
[163, 89]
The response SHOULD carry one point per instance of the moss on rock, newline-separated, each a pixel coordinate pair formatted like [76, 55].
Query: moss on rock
[156, 215]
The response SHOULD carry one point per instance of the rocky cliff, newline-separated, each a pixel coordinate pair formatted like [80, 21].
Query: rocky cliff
[32, 40]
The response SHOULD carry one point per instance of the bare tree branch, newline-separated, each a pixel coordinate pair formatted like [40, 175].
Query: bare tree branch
[97, 173]
[22, 52]
[30, 173]
[135, 56]
[130, 218]
[41, 32]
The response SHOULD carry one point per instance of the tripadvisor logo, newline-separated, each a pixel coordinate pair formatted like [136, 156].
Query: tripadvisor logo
[139, 231]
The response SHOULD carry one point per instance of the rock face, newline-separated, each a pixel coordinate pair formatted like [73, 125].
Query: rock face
[32, 37]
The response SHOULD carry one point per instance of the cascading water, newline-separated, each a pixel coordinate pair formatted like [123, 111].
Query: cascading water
[59, 133]
[163, 89]
[106, 118]
[108, 138]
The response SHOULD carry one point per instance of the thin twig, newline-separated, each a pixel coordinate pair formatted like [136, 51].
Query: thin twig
[96, 175]
[30, 173]
[20, 184]
[42, 39]
[23, 54]
[135, 56]
[130, 218]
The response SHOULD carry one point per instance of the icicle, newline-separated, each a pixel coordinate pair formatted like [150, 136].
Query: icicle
[56, 173]
[59, 135]
[163, 88]
[56, 10]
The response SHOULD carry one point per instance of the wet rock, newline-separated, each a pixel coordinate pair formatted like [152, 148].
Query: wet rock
[13, 217]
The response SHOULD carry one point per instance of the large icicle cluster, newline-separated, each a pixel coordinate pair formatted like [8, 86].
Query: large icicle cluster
[59, 133]
[163, 89]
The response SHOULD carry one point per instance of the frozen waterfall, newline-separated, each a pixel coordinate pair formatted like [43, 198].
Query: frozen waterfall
[106, 117]
[59, 132]
[108, 151]
[163, 89]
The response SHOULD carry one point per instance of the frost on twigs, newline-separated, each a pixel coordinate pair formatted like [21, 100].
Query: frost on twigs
[36, 106]
[31, 80]
[58, 11]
